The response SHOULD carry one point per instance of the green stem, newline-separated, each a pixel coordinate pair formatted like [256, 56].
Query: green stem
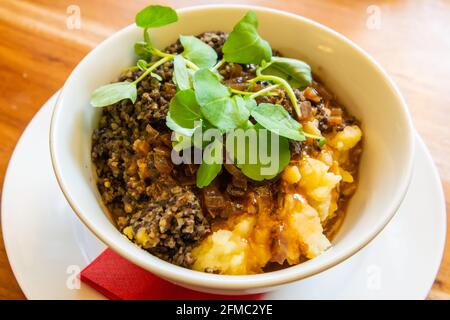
[190, 64]
[161, 54]
[283, 83]
[132, 68]
[147, 37]
[218, 65]
[241, 92]
[264, 91]
[259, 72]
[153, 67]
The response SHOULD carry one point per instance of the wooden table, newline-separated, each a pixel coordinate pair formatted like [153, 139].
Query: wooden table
[409, 38]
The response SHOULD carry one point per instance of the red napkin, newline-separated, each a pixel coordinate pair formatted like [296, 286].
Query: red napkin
[118, 279]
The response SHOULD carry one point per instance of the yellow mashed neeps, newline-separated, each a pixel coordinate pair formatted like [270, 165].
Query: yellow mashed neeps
[311, 187]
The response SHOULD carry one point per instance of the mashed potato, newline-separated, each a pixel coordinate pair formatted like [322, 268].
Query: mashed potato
[245, 249]
[303, 229]
[318, 184]
[225, 251]
[247, 243]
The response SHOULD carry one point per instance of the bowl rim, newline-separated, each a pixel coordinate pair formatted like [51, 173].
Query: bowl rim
[243, 282]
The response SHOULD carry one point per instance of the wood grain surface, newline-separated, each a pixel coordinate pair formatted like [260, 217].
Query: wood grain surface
[38, 50]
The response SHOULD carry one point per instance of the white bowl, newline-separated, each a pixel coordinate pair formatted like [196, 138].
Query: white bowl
[358, 81]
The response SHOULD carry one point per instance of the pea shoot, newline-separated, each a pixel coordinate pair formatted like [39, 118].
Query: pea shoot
[203, 99]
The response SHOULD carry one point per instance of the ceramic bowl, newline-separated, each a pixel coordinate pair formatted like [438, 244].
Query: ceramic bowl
[358, 80]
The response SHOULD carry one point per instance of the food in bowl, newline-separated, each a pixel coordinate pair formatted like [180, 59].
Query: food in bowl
[220, 155]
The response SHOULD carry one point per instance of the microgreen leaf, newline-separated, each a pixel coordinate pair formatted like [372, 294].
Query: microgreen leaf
[244, 45]
[276, 119]
[143, 50]
[142, 64]
[250, 103]
[155, 16]
[211, 164]
[216, 103]
[172, 125]
[112, 93]
[297, 73]
[279, 157]
[181, 74]
[225, 113]
[198, 52]
[241, 109]
[184, 109]
[208, 87]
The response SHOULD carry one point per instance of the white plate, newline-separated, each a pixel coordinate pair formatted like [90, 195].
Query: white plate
[46, 243]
